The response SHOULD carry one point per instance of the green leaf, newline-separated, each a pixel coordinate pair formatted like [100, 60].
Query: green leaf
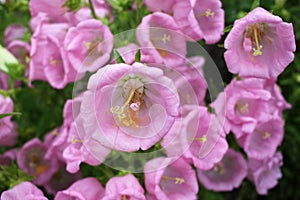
[118, 57]
[10, 114]
[228, 28]
[138, 56]
[256, 3]
[74, 5]
[6, 58]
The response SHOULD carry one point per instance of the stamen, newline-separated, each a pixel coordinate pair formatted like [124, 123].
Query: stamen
[75, 140]
[177, 180]
[202, 139]
[242, 107]
[40, 169]
[166, 38]
[125, 197]
[219, 168]
[208, 13]
[265, 135]
[257, 51]
[87, 44]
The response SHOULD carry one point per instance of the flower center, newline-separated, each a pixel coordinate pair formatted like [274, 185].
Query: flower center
[241, 107]
[256, 33]
[128, 113]
[265, 134]
[218, 168]
[177, 180]
[125, 197]
[207, 13]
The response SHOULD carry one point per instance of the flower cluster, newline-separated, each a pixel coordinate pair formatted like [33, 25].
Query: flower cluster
[155, 97]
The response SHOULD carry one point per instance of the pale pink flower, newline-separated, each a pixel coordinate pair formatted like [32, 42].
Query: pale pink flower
[8, 133]
[48, 57]
[264, 140]
[265, 173]
[54, 9]
[106, 113]
[157, 5]
[159, 37]
[247, 102]
[259, 45]
[84, 189]
[31, 160]
[198, 136]
[88, 45]
[200, 19]
[23, 191]
[14, 32]
[226, 174]
[124, 187]
[168, 179]
[21, 51]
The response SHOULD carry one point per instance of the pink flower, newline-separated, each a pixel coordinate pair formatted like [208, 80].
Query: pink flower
[48, 57]
[66, 143]
[125, 187]
[225, 175]
[8, 157]
[54, 9]
[265, 173]
[84, 189]
[168, 179]
[247, 102]
[189, 80]
[159, 37]
[200, 19]
[14, 32]
[88, 45]
[21, 51]
[8, 133]
[264, 140]
[31, 160]
[198, 136]
[23, 191]
[259, 45]
[156, 5]
[107, 107]
[4, 84]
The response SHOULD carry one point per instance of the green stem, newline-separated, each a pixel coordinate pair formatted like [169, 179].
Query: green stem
[92, 9]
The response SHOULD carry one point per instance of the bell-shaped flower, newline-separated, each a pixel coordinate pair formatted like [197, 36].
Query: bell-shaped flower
[259, 45]
[226, 174]
[124, 187]
[128, 107]
[84, 189]
[200, 19]
[166, 179]
[23, 191]
[265, 173]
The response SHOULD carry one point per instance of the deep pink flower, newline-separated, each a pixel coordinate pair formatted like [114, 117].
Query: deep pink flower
[200, 19]
[31, 160]
[247, 102]
[88, 45]
[159, 37]
[23, 191]
[84, 189]
[124, 187]
[168, 179]
[48, 57]
[198, 136]
[8, 133]
[259, 45]
[128, 107]
[157, 5]
[265, 173]
[225, 175]
[14, 32]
